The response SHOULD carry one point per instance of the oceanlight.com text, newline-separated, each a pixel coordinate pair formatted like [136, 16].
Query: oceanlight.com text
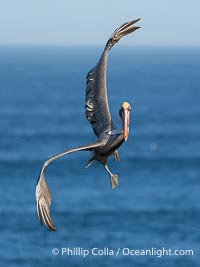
[107, 251]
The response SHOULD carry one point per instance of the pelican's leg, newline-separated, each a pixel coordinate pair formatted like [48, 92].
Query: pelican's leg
[113, 177]
[116, 155]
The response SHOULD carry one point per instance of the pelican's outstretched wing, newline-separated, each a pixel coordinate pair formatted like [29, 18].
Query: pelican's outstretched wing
[42, 193]
[96, 102]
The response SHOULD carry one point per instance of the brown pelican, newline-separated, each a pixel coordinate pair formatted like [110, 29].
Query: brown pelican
[97, 112]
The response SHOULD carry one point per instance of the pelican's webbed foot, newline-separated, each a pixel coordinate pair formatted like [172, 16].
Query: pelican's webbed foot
[114, 180]
[113, 177]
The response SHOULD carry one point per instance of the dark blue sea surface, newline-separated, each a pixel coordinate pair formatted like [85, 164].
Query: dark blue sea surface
[42, 92]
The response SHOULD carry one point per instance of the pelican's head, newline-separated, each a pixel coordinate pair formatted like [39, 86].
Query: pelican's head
[124, 114]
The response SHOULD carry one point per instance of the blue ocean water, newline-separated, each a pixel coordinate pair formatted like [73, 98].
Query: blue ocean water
[42, 93]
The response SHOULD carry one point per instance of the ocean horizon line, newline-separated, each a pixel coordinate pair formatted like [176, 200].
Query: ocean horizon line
[95, 45]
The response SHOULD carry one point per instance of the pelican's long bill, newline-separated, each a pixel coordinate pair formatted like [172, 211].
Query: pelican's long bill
[125, 116]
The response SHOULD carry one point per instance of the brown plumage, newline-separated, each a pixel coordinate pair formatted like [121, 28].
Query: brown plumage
[97, 112]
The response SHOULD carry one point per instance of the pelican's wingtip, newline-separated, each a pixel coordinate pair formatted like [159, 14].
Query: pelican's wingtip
[44, 214]
[43, 202]
[135, 20]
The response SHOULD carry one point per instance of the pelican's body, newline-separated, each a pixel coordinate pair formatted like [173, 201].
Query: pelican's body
[97, 112]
